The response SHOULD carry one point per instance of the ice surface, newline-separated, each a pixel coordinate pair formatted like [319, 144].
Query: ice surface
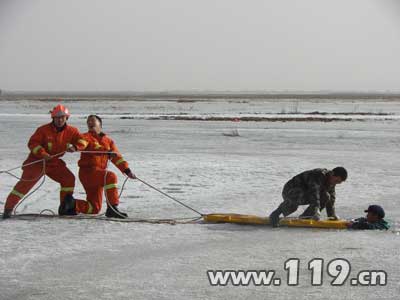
[195, 162]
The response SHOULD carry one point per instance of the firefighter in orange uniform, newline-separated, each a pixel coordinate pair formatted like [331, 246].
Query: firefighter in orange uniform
[94, 175]
[49, 140]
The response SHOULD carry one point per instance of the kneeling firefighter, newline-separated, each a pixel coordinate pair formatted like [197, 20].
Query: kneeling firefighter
[94, 175]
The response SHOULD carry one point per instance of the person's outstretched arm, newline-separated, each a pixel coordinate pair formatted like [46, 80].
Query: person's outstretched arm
[120, 162]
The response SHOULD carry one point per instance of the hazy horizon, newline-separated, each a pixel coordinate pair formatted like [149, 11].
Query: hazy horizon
[9, 92]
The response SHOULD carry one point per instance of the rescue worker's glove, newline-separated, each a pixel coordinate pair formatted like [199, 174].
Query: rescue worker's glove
[71, 148]
[129, 173]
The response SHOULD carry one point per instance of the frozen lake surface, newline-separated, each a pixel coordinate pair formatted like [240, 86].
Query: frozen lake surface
[195, 162]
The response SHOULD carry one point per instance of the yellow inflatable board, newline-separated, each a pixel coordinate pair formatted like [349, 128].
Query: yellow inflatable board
[291, 222]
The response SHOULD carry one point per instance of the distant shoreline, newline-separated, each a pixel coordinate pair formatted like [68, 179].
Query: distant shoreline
[194, 97]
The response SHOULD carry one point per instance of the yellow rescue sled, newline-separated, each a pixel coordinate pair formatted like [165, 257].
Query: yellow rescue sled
[291, 222]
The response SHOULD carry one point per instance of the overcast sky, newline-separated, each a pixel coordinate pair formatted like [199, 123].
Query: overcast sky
[158, 45]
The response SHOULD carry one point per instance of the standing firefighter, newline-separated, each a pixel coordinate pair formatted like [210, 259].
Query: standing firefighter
[49, 143]
[315, 188]
[94, 175]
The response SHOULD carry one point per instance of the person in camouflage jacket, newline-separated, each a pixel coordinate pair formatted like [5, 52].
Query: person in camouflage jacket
[373, 220]
[315, 188]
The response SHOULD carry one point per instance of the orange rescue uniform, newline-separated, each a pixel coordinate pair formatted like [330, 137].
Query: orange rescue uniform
[48, 140]
[94, 175]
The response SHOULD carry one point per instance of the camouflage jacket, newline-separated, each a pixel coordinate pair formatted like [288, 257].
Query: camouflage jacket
[362, 223]
[316, 188]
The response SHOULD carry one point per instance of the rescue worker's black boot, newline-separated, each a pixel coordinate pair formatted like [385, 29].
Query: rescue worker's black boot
[7, 213]
[274, 217]
[67, 207]
[113, 212]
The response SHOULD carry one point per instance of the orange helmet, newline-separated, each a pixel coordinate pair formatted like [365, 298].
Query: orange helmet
[59, 111]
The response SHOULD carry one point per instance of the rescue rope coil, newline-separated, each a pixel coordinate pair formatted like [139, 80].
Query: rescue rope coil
[43, 174]
[52, 214]
[206, 218]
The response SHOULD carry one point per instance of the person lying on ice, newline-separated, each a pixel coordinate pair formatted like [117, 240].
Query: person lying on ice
[94, 175]
[373, 220]
[315, 188]
[47, 141]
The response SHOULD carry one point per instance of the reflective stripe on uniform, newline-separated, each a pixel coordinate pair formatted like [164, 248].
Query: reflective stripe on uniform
[120, 161]
[83, 142]
[97, 146]
[90, 208]
[110, 186]
[67, 189]
[36, 149]
[49, 146]
[18, 194]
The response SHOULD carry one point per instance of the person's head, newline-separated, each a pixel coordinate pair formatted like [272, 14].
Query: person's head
[60, 115]
[338, 175]
[94, 123]
[374, 213]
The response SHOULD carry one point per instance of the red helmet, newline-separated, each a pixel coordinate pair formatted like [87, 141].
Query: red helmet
[59, 111]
